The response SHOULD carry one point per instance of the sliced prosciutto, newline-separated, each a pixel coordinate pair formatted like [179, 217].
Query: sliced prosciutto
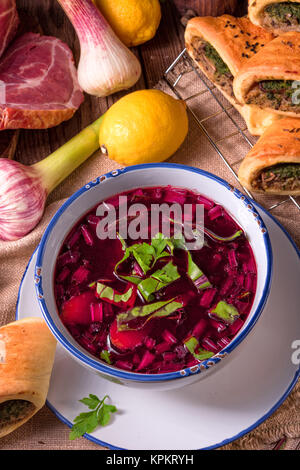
[38, 83]
[9, 22]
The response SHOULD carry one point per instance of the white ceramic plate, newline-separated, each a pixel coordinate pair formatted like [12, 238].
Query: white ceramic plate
[211, 412]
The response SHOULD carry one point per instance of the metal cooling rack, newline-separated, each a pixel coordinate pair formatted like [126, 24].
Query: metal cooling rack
[182, 65]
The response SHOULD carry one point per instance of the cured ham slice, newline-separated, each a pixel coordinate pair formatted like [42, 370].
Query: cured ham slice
[38, 83]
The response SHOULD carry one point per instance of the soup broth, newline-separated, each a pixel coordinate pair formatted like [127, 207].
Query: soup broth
[153, 305]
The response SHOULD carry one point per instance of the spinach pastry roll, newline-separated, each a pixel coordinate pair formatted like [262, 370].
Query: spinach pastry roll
[275, 15]
[269, 80]
[273, 164]
[220, 46]
[26, 358]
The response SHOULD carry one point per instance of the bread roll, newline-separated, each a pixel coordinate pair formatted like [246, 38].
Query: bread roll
[275, 15]
[273, 165]
[220, 47]
[27, 351]
[270, 80]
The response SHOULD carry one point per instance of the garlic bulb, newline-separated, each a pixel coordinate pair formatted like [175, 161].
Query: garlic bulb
[106, 65]
[22, 199]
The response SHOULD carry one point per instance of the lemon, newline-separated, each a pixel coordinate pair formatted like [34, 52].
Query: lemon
[133, 21]
[143, 127]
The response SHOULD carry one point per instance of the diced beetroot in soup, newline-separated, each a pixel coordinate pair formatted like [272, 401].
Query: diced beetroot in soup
[96, 284]
[236, 326]
[215, 212]
[147, 359]
[87, 235]
[69, 257]
[232, 258]
[126, 365]
[149, 342]
[63, 274]
[93, 219]
[162, 347]
[216, 260]
[165, 368]
[242, 307]
[73, 239]
[223, 342]
[219, 326]
[208, 297]
[168, 337]
[77, 309]
[96, 312]
[249, 282]
[176, 196]
[208, 343]
[200, 328]
[169, 356]
[126, 340]
[80, 275]
[206, 202]
[227, 285]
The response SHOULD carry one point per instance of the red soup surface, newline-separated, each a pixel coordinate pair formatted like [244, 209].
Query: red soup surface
[154, 305]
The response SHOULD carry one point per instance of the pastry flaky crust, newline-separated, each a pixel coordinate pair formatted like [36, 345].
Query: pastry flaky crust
[235, 40]
[279, 144]
[256, 12]
[27, 351]
[257, 120]
[279, 60]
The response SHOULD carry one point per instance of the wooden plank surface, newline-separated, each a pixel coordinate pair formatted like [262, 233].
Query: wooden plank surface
[155, 57]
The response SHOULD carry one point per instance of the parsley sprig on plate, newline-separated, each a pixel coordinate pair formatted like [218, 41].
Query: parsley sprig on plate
[88, 422]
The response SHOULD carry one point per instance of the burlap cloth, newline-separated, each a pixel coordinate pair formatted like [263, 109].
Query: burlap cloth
[45, 431]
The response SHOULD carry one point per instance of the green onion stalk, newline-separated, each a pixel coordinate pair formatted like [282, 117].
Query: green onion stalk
[24, 189]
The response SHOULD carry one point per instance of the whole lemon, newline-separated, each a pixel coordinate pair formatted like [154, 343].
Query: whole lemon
[143, 127]
[133, 21]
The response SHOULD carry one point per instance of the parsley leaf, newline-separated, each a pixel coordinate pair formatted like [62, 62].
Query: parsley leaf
[88, 422]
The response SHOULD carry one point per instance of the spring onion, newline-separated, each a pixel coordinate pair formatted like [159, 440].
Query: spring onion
[24, 189]
[106, 64]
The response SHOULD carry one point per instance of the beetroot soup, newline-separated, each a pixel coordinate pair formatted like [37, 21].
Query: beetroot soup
[155, 305]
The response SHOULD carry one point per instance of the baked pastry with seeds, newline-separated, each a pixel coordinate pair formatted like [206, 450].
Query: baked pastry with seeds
[26, 359]
[220, 47]
[273, 165]
[275, 15]
[270, 80]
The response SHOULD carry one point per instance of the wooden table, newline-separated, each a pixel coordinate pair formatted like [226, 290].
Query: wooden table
[155, 56]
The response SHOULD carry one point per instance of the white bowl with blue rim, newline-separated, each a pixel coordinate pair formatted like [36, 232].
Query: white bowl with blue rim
[118, 181]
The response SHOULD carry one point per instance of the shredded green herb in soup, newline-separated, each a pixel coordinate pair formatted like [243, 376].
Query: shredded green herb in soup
[155, 305]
